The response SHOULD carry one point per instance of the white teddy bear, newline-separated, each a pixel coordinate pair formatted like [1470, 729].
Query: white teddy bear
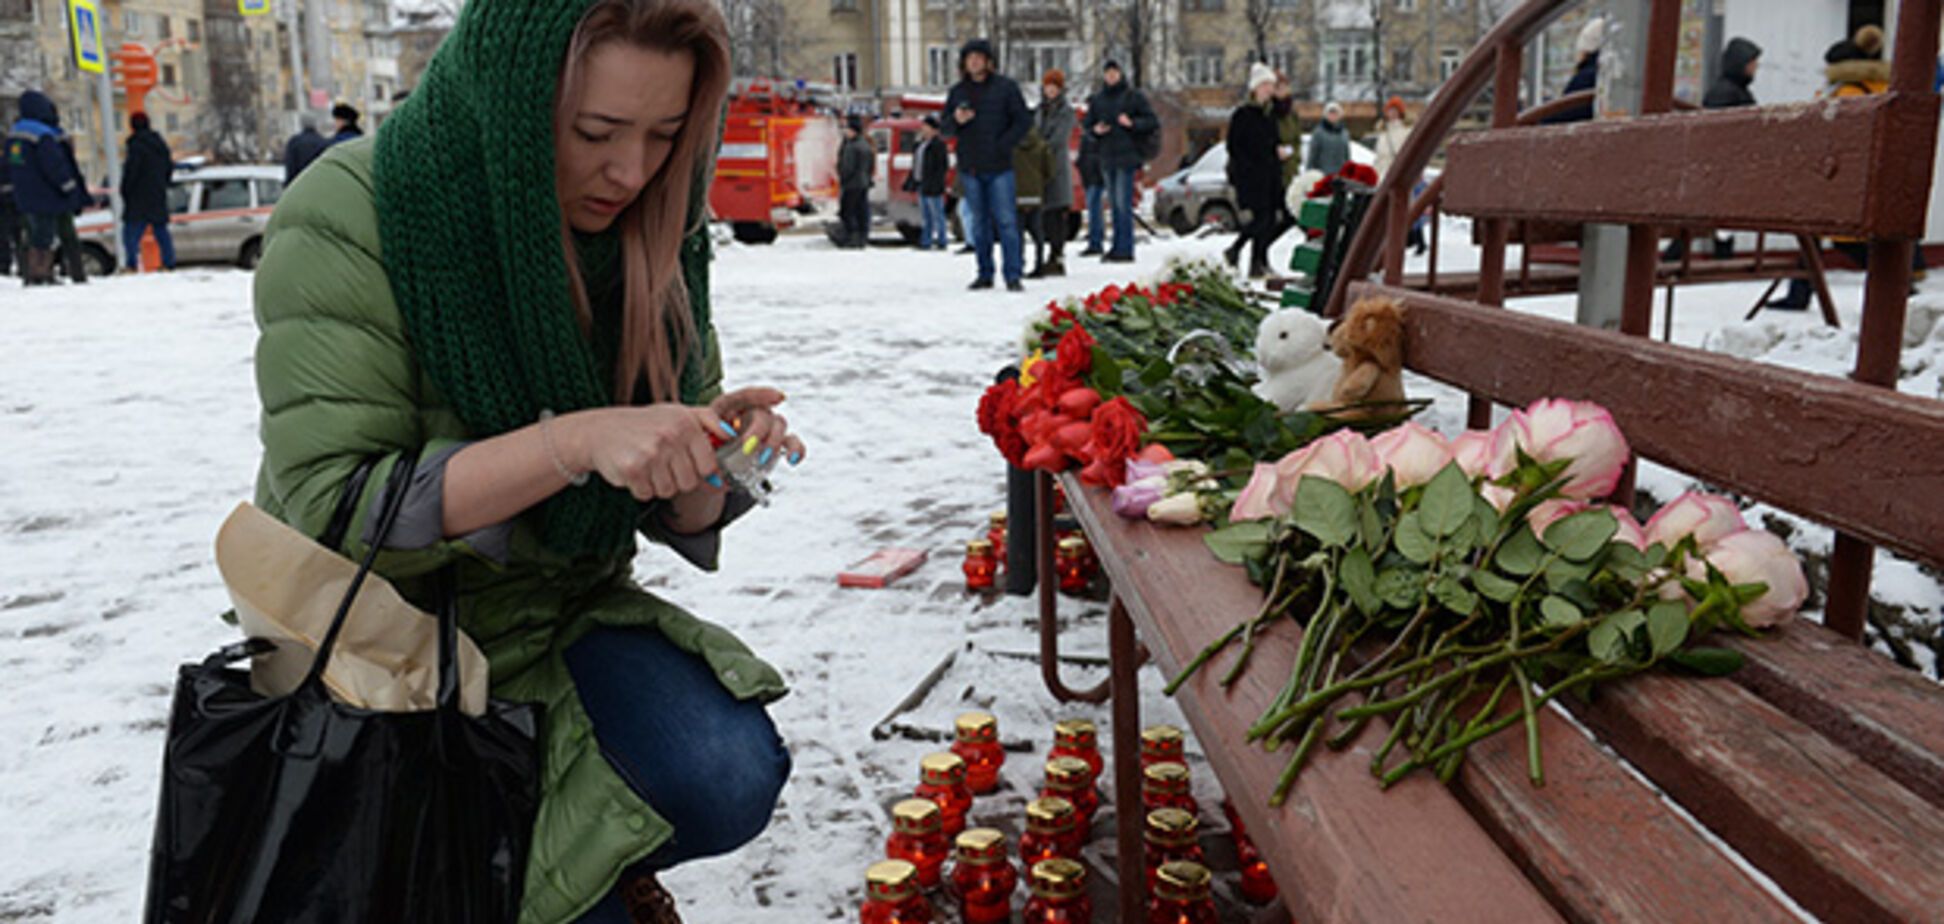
[1298, 368]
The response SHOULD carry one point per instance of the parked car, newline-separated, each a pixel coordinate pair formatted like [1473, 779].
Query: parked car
[216, 215]
[1201, 195]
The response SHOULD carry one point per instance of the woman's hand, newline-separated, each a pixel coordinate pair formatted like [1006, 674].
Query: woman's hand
[752, 413]
[658, 451]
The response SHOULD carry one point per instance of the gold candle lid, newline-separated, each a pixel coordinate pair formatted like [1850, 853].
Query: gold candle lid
[1058, 877]
[1171, 826]
[998, 518]
[1182, 881]
[891, 880]
[980, 845]
[1161, 737]
[1050, 814]
[942, 768]
[1167, 776]
[976, 727]
[1073, 544]
[916, 816]
[1067, 772]
[979, 547]
[1079, 733]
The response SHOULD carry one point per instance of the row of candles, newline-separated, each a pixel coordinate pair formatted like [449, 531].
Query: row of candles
[1058, 823]
[1073, 559]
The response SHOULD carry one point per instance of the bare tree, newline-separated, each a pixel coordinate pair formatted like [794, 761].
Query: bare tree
[761, 33]
[229, 123]
[1135, 27]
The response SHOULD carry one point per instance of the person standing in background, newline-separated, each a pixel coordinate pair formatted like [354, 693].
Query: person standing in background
[46, 185]
[145, 193]
[303, 147]
[1730, 90]
[1329, 146]
[988, 116]
[1254, 170]
[1124, 125]
[10, 240]
[1055, 124]
[1094, 185]
[1586, 74]
[1032, 164]
[347, 123]
[928, 168]
[1390, 143]
[855, 165]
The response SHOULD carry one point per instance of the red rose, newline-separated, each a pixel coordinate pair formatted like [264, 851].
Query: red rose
[996, 406]
[1058, 316]
[1075, 355]
[1045, 458]
[1100, 474]
[1117, 431]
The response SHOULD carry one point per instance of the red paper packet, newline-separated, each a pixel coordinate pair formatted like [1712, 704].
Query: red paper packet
[883, 567]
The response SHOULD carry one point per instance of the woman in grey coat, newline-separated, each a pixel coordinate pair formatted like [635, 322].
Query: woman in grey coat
[1055, 124]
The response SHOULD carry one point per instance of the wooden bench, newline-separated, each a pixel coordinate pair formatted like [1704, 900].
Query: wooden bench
[1818, 765]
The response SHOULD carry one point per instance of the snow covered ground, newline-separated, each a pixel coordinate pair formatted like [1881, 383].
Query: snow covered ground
[128, 413]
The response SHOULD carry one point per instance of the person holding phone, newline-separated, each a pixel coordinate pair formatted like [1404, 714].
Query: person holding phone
[989, 117]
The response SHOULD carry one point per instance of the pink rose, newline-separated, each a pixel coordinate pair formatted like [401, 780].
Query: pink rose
[1499, 497]
[1546, 513]
[1553, 429]
[1257, 500]
[1344, 457]
[1706, 517]
[1758, 556]
[1412, 452]
[1484, 452]
[1630, 531]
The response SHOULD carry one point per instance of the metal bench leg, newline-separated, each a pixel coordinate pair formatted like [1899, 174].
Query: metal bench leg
[1049, 601]
[1812, 255]
[1126, 661]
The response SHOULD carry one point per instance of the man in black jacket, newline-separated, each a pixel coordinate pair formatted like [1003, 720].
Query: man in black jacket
[145, 193]
[1123, 124]
[988, 116]
[855, 164]
[303, 147]
[1738, 63]
[928, 168]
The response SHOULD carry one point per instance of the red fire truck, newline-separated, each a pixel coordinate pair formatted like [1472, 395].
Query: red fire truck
[895, 138]
[778, 157]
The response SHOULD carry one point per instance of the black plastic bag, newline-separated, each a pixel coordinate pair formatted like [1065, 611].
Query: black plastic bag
[303, 809]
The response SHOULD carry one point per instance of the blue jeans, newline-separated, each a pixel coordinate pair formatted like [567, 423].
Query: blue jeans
[1096, 232]
[1120, 194]
[711, 764]
[968, 221]
[995, 206]
[932, 233]
[132, 242]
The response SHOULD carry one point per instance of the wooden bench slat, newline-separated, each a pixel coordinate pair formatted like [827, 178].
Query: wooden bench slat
[1356, 853]
[1844, 840]
[1708, 414]
[1888, 716]
[1804, 167]
[1580, 838]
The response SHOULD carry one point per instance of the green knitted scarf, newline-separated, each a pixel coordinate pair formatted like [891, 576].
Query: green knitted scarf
[470, 230]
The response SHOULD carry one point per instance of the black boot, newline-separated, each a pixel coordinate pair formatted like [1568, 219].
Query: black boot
[1796, 300]
[1054, 267]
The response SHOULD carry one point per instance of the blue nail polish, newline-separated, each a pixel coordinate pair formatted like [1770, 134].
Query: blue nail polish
[715, 481]
[726, 428]
[796, 458]
[763, 459]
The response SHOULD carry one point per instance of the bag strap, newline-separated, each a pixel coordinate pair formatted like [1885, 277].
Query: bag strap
[333, 536]
[395, 487]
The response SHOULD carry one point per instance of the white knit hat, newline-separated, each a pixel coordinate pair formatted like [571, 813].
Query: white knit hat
[1259, 74]
[1591, 37]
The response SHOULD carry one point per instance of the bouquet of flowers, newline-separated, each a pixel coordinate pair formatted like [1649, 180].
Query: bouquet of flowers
[1441, 580]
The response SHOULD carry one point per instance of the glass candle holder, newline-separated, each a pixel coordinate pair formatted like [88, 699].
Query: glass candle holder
[892, 895]
[976, 741]
[981, 565]
[918, 837]
[983, 878]
[941, 780]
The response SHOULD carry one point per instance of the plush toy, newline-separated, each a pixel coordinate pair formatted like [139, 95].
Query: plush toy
[1370, 342]
[1298, 369]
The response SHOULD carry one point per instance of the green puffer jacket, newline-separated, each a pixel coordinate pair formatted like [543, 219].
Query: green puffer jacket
[338, 383]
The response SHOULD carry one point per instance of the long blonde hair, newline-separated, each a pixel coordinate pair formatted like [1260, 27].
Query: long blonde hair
[657, 329]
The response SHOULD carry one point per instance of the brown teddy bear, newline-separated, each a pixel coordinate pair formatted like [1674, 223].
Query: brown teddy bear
[1370, 341]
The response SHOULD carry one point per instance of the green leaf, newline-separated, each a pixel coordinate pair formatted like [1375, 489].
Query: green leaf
[1627, 562]
[1709, 662]
[1239, 542]
[1156, 372]
[1560, 613]
[1452, 592]
[1371, 525]
[1612, 640]
[1656, 556]
[1107, 373]
[1411, 541]
[1359, 580]
[1582, 535]
[1521, 554]
[1325, 510]
[1401, 587]
[1447, 502]
[1667, 627]
[1494, 587]
[1561, 574]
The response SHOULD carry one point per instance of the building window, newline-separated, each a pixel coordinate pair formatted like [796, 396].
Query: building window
[843, 6]
[1284, 4]
[1401, 66]
[844, 68]
[1202, 67]
[168, 75]
[941, 65]
[1448, 61]
[1202, 6]
[1347, 59]
[1030, 62]
[1407, 6]
[170, 122]
[1283, 60]
[131, 22]
[195, 30]
[164, 27]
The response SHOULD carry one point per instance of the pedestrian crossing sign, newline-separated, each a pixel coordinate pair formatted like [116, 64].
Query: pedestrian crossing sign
[84, 25]
[253, 7]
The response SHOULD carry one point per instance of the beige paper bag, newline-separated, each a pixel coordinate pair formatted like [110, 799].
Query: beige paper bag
[286, 588]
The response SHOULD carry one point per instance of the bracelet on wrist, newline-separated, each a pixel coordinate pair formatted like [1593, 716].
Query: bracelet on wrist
[546, 439]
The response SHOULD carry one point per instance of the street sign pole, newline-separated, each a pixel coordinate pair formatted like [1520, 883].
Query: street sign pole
[105, 96]
[85, 33]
